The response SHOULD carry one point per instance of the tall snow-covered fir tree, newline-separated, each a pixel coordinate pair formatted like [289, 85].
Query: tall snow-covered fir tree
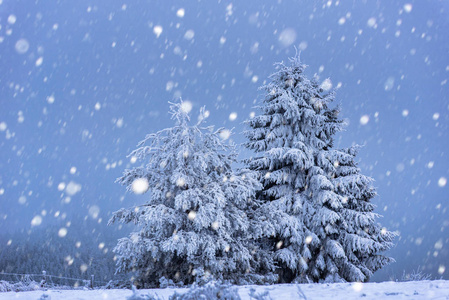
[316, 202]
[194, 224]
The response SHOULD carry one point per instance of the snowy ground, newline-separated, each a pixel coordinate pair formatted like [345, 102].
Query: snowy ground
[438, 289]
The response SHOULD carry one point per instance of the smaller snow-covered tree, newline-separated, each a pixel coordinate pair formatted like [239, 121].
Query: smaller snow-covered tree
[194, 224]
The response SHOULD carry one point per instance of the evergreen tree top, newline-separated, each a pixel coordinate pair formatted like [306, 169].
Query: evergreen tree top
[181, 154]
[294, 110]
[180, 112]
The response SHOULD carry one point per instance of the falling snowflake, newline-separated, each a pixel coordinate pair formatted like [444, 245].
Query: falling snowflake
[140, 186]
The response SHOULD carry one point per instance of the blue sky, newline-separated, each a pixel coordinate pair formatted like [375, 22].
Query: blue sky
[82, 82]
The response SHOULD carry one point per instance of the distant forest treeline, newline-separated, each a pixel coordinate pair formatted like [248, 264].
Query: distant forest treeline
[86, 250]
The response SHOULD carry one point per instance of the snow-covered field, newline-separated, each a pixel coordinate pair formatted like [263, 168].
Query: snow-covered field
[438, 289]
